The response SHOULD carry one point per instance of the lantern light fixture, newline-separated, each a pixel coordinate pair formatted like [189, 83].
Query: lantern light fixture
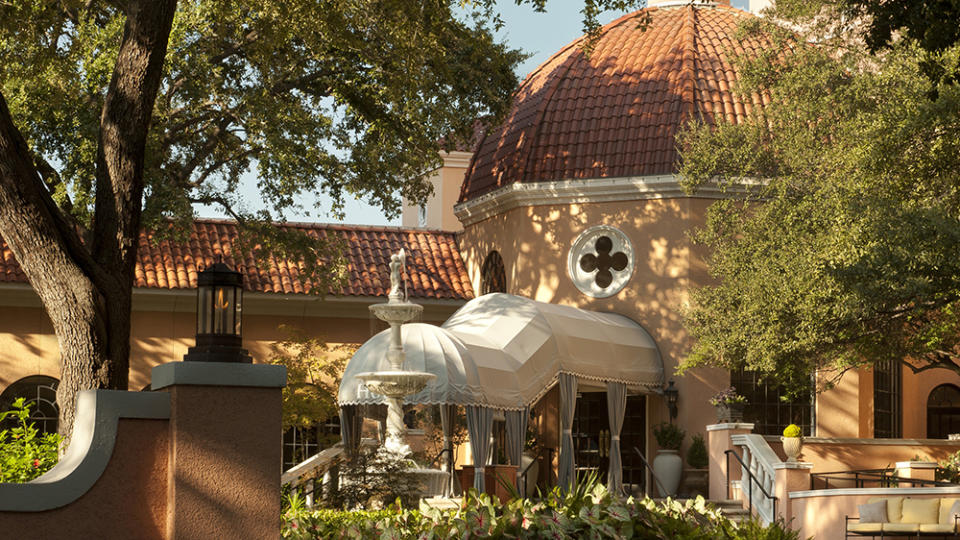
[672, 394]
[219, 315]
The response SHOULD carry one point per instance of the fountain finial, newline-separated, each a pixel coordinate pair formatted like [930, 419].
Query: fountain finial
[398, 262]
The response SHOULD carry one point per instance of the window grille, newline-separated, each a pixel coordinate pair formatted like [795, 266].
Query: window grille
[769, 408]
[493, 274]
[887, 395]
[40, 392]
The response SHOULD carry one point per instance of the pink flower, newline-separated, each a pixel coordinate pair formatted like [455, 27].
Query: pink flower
[36, 464]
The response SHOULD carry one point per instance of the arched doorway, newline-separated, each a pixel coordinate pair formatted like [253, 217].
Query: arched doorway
[943, 411]
[40, 392]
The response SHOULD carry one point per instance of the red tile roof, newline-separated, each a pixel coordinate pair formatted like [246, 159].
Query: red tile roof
[617, 112]
[434, 266]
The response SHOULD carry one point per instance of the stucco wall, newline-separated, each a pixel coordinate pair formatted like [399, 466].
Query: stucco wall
[114, 507]
[534, 242]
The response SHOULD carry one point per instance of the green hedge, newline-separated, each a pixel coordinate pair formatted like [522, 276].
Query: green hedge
[589, 512]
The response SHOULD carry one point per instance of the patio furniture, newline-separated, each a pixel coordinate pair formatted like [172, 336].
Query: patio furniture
[909, 517]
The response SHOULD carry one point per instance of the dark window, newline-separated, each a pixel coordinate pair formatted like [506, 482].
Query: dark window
[886, 399]
[603, 261]
[769, 408]
[300, 443]
[943, 411]
[493, 275]
[40, 392]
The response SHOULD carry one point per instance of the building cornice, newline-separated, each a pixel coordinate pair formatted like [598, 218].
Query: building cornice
[457, 159]
[591, 190]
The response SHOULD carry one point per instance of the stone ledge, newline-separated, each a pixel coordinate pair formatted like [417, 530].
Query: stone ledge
[729, 426]
[94, 436]
[793, 465]
[218, 374]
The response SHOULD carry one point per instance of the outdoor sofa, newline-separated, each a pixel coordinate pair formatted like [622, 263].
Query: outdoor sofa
[906, 517]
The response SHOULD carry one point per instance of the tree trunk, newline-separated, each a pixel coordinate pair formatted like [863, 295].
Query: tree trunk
[86, 289]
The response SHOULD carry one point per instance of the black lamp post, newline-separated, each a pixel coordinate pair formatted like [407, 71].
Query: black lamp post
[672, 394]
[219, 303]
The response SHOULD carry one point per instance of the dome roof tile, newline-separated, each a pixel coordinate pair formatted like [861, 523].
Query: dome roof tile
[617, 112]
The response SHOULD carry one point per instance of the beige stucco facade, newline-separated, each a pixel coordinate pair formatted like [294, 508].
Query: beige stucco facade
[438, 210]
[163, 327]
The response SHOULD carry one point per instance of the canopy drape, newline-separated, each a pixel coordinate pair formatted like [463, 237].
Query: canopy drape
[616, 408]
[516, 425]
[479, 427]
[568, 403]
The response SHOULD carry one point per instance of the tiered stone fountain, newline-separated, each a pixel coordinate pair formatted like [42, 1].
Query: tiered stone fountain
[396, 383]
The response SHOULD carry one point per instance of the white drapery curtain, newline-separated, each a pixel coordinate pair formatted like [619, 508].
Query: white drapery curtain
[479, 427]
[568, 404]
[516, 423]
[447, 420]
[616, 408]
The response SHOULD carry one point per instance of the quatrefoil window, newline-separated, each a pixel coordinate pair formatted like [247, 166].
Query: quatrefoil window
[604, 261]
[600, 262]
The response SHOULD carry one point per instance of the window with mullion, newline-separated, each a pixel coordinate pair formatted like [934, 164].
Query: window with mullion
[887, 395]
[769, 408]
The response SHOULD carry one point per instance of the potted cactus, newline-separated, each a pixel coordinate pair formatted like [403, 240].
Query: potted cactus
[792, 442]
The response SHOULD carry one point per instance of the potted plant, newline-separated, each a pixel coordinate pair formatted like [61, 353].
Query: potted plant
[695, 478]
[792, 441]
[668, 466]
[729, 405]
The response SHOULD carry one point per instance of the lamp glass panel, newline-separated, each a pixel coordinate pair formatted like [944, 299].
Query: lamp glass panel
[239, 307]
[221, 306]
[204, 309]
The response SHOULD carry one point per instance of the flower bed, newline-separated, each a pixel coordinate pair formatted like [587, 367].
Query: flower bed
[587, 512]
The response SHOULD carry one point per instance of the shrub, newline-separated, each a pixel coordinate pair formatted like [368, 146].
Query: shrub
[24, 453]
[373, 480]
[949, 470]
[792, 430]
[588, 511]
[669, 436]
[697, 456]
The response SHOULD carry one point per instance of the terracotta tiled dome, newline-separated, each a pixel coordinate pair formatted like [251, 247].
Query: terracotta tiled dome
[617, 112]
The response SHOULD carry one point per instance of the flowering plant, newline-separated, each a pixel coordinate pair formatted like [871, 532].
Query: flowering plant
[25, 453]
[793, 430]
[727, 395]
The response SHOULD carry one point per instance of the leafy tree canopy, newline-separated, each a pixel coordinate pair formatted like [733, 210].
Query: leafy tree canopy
[847, 252]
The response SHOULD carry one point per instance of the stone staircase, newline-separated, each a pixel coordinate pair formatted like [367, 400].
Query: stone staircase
[732, 509]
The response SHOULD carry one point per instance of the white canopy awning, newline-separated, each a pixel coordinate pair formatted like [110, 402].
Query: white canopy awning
[542, 340]
[428, 348]
[505, 351]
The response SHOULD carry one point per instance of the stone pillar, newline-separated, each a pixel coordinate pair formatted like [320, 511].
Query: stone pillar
[718, 441]
[789, 476]
[224, 461]
[917, 470]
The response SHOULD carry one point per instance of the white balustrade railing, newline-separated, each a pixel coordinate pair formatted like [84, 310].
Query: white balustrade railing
[758, 459]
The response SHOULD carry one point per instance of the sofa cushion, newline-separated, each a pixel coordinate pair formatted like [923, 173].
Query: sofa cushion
[893, 507]
[864, 527]
[875, 512]
[900, 527]
[936, 528]
[948, 507]
[920, 511]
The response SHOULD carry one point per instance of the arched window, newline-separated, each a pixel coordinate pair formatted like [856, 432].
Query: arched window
[40, 392]
[492, 275]
[943, 411]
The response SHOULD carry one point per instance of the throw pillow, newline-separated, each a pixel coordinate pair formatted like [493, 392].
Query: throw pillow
[875, 512]
[920, 510]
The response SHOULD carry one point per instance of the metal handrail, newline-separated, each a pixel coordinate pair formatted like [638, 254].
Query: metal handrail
[752, 480]
[436, 458]
[881, 476]
[523, 474]
[649, 468]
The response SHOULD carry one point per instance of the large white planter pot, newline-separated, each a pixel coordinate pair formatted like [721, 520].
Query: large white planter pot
[791, 447]
[668, 466]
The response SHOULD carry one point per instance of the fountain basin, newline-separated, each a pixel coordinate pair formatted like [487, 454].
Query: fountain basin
[396, 384]
[396, 312]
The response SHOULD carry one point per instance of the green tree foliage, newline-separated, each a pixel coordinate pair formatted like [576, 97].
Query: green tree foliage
[846, 252]
[116, 116]
[314, 370]
[25, 453]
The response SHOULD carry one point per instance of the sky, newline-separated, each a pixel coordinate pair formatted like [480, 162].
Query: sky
[538, 34]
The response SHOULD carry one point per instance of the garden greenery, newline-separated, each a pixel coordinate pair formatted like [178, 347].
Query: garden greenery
[586, 512]
[697, 456]
[792, 430]
[25, 453]
[669, 436]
